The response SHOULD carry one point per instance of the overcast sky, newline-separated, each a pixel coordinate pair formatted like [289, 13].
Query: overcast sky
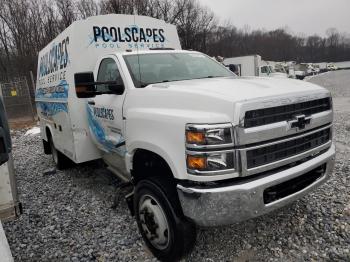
[300, 16]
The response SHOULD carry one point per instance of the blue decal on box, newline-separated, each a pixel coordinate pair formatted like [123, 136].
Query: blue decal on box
[59, 91]
[50, 109]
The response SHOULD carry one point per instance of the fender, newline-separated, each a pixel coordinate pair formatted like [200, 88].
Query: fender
[132, 148]
[162, 131]
[44, 134]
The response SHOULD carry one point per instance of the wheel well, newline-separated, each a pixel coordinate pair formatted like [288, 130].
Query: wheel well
[47, 148]
[149, 164]
[48, 132]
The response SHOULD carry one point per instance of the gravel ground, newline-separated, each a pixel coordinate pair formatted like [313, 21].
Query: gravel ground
[68, 216]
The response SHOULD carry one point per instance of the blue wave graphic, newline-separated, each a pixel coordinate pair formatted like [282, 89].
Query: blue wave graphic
[97, 130]
[50, 109]
[59, 91]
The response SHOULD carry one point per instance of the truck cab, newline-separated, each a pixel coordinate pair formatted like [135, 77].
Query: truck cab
[198, 145]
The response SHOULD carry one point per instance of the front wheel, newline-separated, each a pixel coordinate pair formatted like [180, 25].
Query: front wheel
[165, 231]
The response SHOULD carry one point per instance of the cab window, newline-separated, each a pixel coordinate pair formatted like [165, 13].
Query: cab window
[108, 72]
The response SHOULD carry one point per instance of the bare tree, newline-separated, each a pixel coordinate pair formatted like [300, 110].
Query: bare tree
[26, 26]
[87, 8]
[66, 9]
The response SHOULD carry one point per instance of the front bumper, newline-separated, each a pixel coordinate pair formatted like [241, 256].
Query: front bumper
[241, 201]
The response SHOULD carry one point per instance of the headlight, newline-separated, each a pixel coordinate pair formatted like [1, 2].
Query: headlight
[210, 163]
[217, 142]
[208, 136]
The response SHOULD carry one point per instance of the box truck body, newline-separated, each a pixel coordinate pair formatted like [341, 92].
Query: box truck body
[248, 65]
[77, 49]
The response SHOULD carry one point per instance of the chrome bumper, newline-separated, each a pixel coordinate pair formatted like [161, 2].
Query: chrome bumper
[238, 202]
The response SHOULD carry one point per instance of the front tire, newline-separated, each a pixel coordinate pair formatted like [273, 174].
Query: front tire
[161, 223]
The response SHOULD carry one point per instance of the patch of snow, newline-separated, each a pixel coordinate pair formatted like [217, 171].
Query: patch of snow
[33, 131]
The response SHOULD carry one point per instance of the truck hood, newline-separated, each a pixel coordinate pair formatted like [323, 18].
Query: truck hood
[214, 100]
[242, 89]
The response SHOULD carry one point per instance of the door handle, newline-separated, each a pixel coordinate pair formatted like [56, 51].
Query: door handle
[91, 102]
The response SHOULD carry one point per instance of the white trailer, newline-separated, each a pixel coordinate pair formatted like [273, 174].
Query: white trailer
[246, 65]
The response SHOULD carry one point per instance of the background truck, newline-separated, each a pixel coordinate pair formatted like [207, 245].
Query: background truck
[10, 207]
[301, 71]
[322, 66]
[331, 67]
[197, 145]
[252, 65]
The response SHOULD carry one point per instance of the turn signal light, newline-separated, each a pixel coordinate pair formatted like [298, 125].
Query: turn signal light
[194, 137]
[196, 162]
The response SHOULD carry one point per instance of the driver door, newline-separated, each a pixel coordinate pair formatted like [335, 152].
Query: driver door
[105, 111]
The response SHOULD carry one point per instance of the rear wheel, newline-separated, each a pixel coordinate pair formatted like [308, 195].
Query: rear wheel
[60, 160]
[161, 223]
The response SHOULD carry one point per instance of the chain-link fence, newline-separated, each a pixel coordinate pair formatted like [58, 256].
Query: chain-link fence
[17, 100]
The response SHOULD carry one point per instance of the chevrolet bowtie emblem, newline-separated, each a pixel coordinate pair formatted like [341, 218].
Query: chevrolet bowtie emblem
[300, 121]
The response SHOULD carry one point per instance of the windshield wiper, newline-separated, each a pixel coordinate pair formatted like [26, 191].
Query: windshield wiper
[178, 80]
[204, 77]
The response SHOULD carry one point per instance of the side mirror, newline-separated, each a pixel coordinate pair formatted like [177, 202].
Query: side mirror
[115, 88]
[85, 85]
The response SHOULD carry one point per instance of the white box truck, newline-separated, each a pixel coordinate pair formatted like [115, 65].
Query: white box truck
[252, 65]
[198, 145]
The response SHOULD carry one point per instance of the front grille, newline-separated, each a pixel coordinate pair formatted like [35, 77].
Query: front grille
[269, 154]
[271, 115]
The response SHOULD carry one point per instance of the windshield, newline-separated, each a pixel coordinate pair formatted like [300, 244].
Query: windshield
[148, 69]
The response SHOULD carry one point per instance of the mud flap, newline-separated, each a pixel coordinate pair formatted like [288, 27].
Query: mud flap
[130, 202]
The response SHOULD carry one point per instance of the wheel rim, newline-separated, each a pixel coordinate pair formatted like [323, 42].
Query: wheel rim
[54, 152]
[154, 223]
